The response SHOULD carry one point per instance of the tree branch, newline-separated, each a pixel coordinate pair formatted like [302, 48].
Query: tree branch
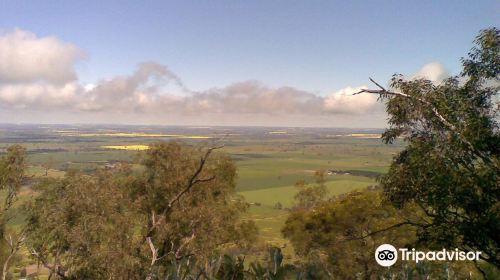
[14, 247]
[154, 251]
[54, 269]
[382, 91]
[385, 229]
[194, 178]
[184, 244]
[191, 183]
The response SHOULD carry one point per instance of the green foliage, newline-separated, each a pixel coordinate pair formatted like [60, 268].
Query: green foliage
[484, 58]
[145, 225]
[85, 225]
[274, 269]
[310, 196]
[12, 176]
[336, 235]
[230, 267]
[450, 167]
[12, 173]
[337, 239]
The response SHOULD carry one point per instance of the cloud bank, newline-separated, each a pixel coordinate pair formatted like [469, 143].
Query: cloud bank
[37, 75]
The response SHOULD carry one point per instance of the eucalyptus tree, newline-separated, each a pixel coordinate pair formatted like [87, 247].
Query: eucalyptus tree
[337, 238]
[12, 177]
[179, 208]
[450, 167]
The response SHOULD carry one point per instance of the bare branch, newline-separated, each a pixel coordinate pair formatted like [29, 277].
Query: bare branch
[184, 244]
[405, 223]
[442, 119]
[14, 247]
[203, 180]
[192, 182]
[194, 177]
[381, 87]
[153, 217]
[54, 269]
[383, 91]
[154, 251]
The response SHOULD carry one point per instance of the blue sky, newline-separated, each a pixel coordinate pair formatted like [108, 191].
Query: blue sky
[315, 46]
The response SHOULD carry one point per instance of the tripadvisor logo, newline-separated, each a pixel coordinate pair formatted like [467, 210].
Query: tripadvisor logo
[387, 255]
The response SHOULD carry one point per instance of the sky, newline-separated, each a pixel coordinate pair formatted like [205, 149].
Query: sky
[270, 63]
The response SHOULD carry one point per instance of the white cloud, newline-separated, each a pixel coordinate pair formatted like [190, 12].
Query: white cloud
[24, 57]
[89, 87]
[39, 95]
[434, 72]
[343, 101]
[38, 74]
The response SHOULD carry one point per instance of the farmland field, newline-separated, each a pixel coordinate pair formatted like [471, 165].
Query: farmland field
[269, 160]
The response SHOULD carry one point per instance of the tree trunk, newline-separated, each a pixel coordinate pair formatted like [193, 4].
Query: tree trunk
[6, 265]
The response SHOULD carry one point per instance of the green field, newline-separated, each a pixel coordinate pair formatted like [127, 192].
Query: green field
[268, 163]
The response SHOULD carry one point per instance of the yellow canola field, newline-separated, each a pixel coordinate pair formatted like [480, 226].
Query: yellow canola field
[366, 135]
[127, 147]
[278, 132]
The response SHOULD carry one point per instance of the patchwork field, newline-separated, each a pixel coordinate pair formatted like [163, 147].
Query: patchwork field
[270, 160]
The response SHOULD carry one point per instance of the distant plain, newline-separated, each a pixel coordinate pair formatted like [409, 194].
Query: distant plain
[269, 160]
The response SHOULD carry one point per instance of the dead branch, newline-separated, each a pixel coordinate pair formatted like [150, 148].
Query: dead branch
[14, 247]
[154, 251]
[382, 91]
[55, 269]
[194, 180]
[405, 223]
[155, 221]
[184, 244]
